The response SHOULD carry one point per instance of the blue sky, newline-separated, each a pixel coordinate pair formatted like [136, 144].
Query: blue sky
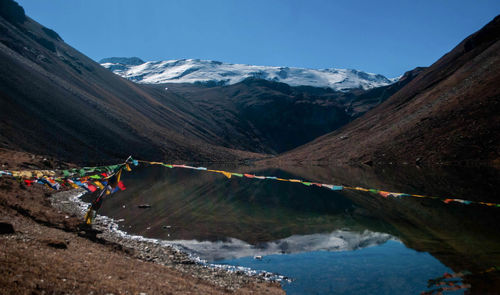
[385, 37]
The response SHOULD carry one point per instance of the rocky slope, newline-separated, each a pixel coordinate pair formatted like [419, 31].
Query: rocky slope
[447, 114]
[265, 116]
[56, 101]
[44, 250]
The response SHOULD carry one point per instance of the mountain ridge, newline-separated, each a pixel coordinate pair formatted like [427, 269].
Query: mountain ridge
[448, 114]
[209, 72]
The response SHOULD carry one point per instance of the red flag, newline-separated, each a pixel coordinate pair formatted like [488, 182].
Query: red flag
[91, 187]
[121, 186]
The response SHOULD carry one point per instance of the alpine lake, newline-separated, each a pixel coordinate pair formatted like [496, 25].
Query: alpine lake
[325, 241]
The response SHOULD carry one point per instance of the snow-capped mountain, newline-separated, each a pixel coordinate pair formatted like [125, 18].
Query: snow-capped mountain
[218, 73]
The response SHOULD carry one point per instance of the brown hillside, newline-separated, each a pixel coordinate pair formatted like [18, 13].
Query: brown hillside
[447, 114]
[58, 102]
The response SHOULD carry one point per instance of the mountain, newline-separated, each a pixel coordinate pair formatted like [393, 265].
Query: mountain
[271, 117]
[131, 61]
[217, 73]
[447, 114]
[58, 102]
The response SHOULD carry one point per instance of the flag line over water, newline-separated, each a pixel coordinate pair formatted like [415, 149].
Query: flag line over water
[93, 178]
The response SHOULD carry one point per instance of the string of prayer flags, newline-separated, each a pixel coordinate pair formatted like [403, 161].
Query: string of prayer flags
[78, 177]
[382, 193]
[75, 177]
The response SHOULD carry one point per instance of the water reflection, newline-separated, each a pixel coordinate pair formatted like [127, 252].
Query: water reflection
[221, 219]
[339, 240]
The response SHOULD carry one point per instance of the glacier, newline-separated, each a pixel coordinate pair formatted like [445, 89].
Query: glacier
[210, 72]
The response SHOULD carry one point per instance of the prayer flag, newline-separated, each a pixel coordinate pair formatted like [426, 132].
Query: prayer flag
[121, 186]
[384, 194]
[227, 174]
[99, 184]
[91, 187]
[29, 182]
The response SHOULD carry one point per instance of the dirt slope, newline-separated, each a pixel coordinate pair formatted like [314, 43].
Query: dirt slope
[447, 114]
[56, 101]
[47, 253]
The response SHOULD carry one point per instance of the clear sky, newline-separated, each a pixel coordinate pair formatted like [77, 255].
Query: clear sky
[384, 37]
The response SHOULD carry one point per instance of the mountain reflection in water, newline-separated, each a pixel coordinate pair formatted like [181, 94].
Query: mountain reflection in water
[231, 248]
[219, 218]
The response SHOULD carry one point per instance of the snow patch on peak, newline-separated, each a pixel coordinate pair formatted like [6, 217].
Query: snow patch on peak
[219, 73]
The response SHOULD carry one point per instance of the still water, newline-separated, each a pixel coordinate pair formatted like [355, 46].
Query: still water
[326, 242]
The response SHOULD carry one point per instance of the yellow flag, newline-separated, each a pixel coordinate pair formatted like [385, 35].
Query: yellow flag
[98, 184]
[227, 174]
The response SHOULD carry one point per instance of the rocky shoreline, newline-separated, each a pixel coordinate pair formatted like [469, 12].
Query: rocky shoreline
[105, 230]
